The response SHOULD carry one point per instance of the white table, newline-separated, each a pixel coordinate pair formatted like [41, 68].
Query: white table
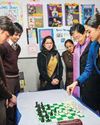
[26, 105]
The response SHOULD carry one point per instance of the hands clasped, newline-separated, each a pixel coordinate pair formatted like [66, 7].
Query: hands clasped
[11, 102]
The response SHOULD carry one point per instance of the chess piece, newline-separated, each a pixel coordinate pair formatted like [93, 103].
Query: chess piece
[36, 104]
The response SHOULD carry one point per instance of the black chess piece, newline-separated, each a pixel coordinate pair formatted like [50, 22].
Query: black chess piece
[42, 104]
[55, 110]
[51, 113]
[48, 120]
[46, 115]
[48, 107]
[42, 119]
[36, 104]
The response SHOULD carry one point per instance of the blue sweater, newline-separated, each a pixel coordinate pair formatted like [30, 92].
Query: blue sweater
[91, 62]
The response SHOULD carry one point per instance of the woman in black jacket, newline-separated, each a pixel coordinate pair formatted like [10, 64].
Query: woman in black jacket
[49, 65]
[67, 56]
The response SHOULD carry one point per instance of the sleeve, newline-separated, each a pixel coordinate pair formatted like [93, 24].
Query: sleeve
[89, 66]
[60, 68]
[4, 94]
[42, 66]
[66, 59]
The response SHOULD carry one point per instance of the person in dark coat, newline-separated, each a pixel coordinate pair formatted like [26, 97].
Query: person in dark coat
[49, 65]
[7, 99]
[10, 51]
[67, 56]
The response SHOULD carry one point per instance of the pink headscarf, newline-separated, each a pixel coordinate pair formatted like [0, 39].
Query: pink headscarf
[79, 49]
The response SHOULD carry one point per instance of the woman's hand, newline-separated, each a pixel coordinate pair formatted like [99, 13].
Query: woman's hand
[55, 81]
[71, 87]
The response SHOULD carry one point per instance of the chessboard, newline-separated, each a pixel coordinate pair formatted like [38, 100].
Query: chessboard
[57, 112]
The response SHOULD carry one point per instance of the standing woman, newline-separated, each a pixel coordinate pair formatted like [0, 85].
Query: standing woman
[67, 56]
[80, 54]
[93, 61]
[49, 65]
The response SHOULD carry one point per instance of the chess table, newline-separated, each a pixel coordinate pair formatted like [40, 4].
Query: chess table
[50, 107]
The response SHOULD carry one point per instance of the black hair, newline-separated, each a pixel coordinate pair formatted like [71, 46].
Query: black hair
[77, 27]
[93, 21]
[44, 40]
[68, 40]
[18, 28]
[6, 24]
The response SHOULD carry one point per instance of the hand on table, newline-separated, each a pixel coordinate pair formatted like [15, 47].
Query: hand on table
[71, 87]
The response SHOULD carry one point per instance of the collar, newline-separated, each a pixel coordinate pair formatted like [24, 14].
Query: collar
[11, 42]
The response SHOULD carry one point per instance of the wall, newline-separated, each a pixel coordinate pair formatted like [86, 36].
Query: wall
[29, 65]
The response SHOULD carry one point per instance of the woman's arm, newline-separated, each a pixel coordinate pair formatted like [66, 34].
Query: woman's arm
[89, 66]
[42, 66]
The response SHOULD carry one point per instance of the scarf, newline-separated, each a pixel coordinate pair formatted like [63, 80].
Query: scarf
[79, 49]
[52, 65]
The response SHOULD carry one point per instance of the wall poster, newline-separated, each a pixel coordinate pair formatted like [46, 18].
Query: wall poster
[32, 42]
[12, 10]
[87, 11]
[71, 14]
[43, 32]
[60, 36]
[54, 15]
[35, 15]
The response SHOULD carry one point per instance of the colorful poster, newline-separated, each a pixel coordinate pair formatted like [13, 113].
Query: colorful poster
[12, 10]
[32, 41]
[42, 33]
[60, 35]
[87, 11]
[71, 14]
[32, 35]
[35, 15]
[54, 15]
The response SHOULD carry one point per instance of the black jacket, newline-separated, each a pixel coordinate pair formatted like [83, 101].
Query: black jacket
[42, 62]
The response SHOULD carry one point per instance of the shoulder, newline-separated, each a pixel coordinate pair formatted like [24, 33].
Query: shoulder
[94, 45]
[5, 45]
[41, 54]
[56, 52]
[19, 48]
[64, 52]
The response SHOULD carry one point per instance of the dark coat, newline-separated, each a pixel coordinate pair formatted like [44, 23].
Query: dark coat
[68, 60]
[42, 62]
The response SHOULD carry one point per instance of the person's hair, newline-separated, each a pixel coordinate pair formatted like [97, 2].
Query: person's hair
[93, 21]
[18, 28]
[44, 40]
[6, 24]
[77, 27]
[68, 41]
